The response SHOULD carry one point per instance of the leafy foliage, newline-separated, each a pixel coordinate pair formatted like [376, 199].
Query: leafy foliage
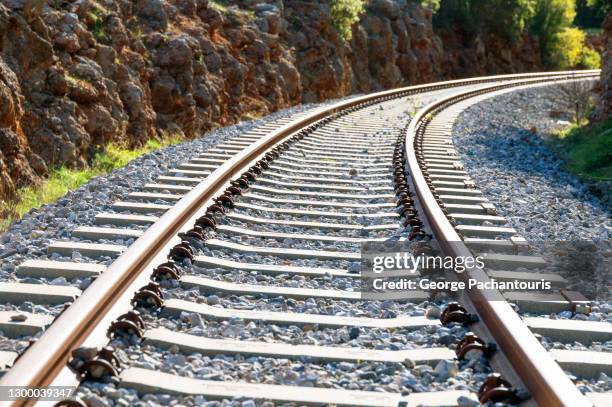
[550, 18]
[97, 17]
[456, 13]
[561, 46]
[434, 5]
[344, 14]
[590, 59]
[603, 6]
[569, 51]
[568, 47]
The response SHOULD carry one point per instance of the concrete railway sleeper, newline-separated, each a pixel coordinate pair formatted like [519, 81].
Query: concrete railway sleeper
[233, 248]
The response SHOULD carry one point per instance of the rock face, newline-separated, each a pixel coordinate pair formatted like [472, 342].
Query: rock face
[77, 75]
[394, 44]
[604, 106]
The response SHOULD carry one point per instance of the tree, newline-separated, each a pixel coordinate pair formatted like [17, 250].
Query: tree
[568, 47]
[503, 18]
[591, 13]
[602, 7]
[550, 18]
[590, 59]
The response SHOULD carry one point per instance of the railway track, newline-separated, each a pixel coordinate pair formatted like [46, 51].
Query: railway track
[251, 251]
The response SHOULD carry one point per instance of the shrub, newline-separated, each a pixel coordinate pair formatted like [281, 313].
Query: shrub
[576, 98]
[548, 20]
[569, 50]
[344, 13]
[96, 26]
[591, 13]
[507, 18]
[590, 59]
[457, 13]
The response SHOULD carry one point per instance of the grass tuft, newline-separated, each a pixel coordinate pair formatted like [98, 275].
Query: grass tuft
[96, 27]
[589, 151]
[63, 179]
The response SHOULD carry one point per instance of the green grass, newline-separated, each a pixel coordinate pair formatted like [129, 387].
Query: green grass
[589, 151]
[61, 180]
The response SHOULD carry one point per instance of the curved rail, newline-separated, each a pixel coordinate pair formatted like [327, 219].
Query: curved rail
[85, 322]
[546, 381]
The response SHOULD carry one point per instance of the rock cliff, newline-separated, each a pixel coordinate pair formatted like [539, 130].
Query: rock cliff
[75, 75]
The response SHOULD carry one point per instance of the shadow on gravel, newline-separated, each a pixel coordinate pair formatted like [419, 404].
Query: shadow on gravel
[527, 156]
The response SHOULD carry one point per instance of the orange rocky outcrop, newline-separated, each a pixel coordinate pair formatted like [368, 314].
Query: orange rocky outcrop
[75, 75]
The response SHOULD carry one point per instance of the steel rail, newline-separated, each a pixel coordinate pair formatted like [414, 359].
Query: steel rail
[543, 377]
[85, 322]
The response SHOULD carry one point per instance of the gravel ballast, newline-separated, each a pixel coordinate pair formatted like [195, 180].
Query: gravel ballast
[386, 377]
[29, 237]
[522, 175]
[519, 171]
[466, 375]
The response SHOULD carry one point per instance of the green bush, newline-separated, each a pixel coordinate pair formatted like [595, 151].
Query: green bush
[569, 50]
[506, 18]
[344, 14]
[589, 59]
[549, 21]
[566, 48]
[457, 13]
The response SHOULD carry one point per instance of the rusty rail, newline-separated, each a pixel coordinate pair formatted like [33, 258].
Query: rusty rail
[85, 322]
